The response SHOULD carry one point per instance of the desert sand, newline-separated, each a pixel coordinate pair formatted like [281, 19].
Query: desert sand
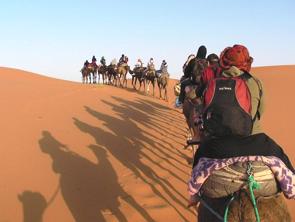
[74, 152]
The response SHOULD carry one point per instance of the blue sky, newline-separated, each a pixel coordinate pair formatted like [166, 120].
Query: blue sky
[54, 37]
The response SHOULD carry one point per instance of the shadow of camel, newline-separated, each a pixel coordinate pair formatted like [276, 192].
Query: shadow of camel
[125, 143]
[34, 205]
[88, 189]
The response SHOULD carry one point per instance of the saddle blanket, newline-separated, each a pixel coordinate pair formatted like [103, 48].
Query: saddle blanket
[206, 166]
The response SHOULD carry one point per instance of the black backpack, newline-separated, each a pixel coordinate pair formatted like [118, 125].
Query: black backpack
[227, 107]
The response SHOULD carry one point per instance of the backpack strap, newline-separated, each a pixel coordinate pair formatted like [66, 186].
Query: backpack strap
[247, 76]
[260, 96]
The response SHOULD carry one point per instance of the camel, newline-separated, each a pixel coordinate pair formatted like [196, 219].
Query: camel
[272, 208]
[138, 73]
[102, 71]
[191, 111]
[88, 72]
[162, 81]
[122, 75]
[112, 75]
[85, 75]
[150, 78]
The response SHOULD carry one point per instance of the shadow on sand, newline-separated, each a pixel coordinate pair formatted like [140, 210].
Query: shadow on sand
[127, 143]
[90, 190]
[34, 205]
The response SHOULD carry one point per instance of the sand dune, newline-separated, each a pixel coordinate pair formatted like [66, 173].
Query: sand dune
[73, 152]
[277, 120]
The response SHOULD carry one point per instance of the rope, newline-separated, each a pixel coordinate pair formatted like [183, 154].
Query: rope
[253, 185]
[227, 208]
[209, 208]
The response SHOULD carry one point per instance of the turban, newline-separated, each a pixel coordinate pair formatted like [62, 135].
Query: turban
[238, 56]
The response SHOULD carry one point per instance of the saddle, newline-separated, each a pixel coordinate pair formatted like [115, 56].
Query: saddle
[230, 195]
[122, 64]
[150, 73]
[233, 178]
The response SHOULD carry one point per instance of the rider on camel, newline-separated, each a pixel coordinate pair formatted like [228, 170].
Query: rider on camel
[123, 60]
[151, 65]
[193, 72]
[93, 61]
[163, 68]
[139, 63]
[86, 63]
[113, 62]
[103, 61]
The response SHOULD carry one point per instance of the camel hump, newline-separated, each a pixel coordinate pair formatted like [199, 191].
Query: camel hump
[273, 208]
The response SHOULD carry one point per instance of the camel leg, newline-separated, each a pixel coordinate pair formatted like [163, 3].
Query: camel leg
[141, 83]
[148, 87]
[160, 90]
[125, 79]
[120, 81]
[94, 78]
[112, 80]
[134, 80]
[166, 96]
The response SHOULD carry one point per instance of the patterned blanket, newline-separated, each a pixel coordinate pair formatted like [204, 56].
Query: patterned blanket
[206, 166]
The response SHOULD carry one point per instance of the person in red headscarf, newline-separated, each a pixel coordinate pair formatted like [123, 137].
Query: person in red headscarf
[235, 61]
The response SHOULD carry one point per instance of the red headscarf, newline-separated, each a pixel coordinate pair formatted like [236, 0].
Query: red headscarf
[238, 56]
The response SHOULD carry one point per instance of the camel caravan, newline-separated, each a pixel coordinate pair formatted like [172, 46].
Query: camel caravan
[116, 74]
[238, 172]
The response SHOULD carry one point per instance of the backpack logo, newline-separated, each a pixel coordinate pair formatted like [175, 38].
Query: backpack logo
[225, 88]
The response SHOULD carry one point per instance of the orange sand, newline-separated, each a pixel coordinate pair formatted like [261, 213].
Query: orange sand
[73, 152]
